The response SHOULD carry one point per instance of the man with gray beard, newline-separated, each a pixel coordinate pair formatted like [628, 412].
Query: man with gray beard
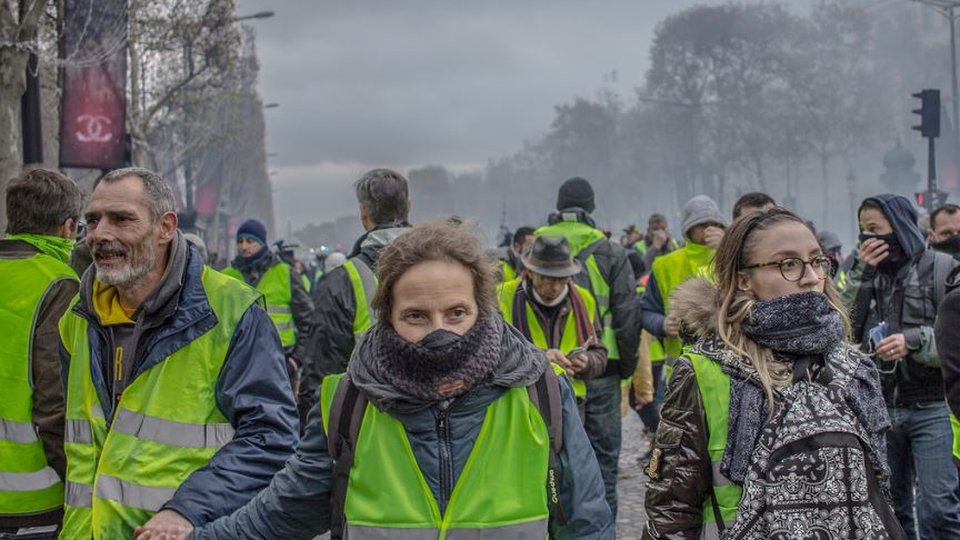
[178, 405]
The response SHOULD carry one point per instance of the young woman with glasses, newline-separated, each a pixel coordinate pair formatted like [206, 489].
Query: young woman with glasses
[773, 423]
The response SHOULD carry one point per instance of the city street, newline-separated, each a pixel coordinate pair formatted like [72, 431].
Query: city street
[632, 483]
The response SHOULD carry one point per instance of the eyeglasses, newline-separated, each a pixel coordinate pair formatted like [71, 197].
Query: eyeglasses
[793, 268]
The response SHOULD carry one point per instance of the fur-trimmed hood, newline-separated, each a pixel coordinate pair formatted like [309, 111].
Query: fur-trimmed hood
[696, 303]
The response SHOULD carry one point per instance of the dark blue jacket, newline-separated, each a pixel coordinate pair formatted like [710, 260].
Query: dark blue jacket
[297, 503]
[253, 393]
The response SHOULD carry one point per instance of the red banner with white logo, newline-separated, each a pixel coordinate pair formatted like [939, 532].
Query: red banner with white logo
[93, 107]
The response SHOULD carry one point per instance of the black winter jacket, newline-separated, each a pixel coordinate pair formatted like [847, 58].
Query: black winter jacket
[336, 308]
[872, 296]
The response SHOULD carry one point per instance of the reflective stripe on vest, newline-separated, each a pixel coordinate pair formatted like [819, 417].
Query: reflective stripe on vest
[79, 495]
[17, 432]
[500, 492]
[580, 236]
[672, 270]
[364, 284]
[172, 432]
[533, 529]
[568, 341]
[172, 428]
[715, 394]
[32, 481]
[27, 483]
[133, 495]
[276, 288]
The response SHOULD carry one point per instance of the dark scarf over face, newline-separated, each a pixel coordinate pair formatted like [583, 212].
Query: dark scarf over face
[800, 329]
[252, 260]
[797, 324]
[442, 365]
[950, 246]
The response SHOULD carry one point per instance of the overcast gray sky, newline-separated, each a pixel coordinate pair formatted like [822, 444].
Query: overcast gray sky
[411, 82]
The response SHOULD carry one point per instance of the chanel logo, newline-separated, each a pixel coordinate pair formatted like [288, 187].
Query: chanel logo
[96, 128]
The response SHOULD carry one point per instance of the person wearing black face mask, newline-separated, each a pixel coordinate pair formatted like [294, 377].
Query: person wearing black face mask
[893, 293]
[446, 423]
[945, 230]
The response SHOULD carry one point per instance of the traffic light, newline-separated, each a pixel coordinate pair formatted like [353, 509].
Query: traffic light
[929, 112]
[931, 200]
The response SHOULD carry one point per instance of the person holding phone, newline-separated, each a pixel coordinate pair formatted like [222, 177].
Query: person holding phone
[893, 292]
[555, 314]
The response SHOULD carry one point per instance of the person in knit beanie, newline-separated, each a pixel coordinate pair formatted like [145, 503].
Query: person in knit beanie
[251, 237]
[614, 288]
[703, 227]
[576, 193]
[702, 221]
[288, 302]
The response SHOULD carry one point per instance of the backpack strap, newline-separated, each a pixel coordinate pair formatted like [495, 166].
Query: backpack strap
[545, 395]
[942, 266]
[346, 415]
[586, 252]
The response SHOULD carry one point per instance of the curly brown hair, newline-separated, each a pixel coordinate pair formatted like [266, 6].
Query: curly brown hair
[441, 240]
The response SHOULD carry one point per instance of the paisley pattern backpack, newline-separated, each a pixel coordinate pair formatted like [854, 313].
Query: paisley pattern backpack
[813, 475]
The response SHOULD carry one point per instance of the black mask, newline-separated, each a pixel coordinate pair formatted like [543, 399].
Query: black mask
[950, 246]
[894, 251]
[440, 341]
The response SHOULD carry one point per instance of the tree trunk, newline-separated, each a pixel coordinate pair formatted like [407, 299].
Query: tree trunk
[13, 83]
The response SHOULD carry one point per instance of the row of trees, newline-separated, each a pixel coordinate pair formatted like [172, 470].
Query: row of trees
[737, 98]
[193, 112]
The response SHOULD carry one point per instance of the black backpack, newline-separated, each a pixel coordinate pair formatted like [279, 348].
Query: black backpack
[812, 473]
[346, 415]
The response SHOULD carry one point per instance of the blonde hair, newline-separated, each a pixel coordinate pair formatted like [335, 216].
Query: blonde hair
[735, 251]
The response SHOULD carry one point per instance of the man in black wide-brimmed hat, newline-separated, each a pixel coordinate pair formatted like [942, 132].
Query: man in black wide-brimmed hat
[554, 313]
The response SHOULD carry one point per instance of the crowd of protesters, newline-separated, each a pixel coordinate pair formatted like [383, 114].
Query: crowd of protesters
[420, 386]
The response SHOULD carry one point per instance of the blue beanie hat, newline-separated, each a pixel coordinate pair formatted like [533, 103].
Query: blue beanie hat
[254, 229]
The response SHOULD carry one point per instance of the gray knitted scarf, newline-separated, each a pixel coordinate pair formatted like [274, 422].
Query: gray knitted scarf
[399, 376]
[800, 329]
[796, 324]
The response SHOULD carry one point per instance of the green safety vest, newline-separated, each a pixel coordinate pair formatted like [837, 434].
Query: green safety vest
[580, 236]
[307, 284]
[275, 286]
[507, 271]
[955, 424]
[841, 280]
[167, 423]
[570, 339]
[364, 284]
[671, 271]
[715, 394]
[499, 494]
[28, 485]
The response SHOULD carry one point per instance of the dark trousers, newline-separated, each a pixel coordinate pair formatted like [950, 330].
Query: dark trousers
[923, 477]
[602, 424]
[650, 413]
